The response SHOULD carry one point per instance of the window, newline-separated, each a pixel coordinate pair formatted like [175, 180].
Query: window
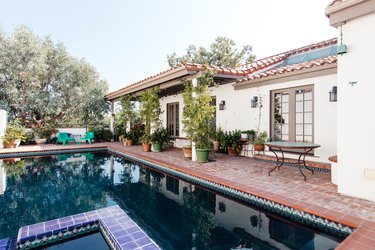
[292, 114]
[173, 185]
[173, 119]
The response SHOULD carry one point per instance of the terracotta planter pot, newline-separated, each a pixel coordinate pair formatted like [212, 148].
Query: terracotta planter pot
[40, 141]
[232, 151]
[258, 147]
[146, 147]
[187, 152]
[129, 142]
[9, 144]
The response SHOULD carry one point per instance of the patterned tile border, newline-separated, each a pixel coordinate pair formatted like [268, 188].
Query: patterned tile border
[8, 244]
[120, 231]
[274, 207]
[50, 152]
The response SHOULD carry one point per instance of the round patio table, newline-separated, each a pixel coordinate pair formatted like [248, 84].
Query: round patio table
[284, 146]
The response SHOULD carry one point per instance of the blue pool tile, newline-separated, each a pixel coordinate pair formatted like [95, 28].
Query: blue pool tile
[114, 221]
[124, 239]
[132, 229]
[52, 227]
[78, 216]
[66, 224]
[80, 220]
[36, 231]
[138, 235]
[51, 222]
[151, 247]
[129, 246]
[65, 219]
[143, 241]
[115, 228]
[119, 233]
[36, 226]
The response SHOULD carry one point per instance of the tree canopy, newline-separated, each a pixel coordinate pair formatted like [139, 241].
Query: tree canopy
[40, 81]
[222, 53]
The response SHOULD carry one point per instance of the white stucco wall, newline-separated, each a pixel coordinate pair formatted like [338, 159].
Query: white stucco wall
[356, 110]
[238, 113]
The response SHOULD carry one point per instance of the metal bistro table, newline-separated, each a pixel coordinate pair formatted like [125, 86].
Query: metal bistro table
[283, 146]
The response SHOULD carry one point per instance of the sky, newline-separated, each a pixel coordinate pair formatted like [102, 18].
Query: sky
[127, 41]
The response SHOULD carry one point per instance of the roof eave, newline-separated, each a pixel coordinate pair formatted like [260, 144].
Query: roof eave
[153, 81]
[288, 76]
[344, 11]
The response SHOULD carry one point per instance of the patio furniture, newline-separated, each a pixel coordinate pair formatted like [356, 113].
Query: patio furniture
[284, 146]
[64, 138]
[89, 137]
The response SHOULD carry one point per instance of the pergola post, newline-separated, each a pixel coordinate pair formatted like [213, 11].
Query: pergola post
[194, 95]
[112, 119]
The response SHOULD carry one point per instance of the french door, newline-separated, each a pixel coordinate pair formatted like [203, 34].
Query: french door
[173, 119]
[293, 114]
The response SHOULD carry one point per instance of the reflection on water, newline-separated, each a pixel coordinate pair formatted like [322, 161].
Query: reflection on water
[176, 214]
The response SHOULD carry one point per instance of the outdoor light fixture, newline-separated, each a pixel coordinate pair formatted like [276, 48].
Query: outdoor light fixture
[341, 48]
[222, 105]
[254, 102]
[333, 94]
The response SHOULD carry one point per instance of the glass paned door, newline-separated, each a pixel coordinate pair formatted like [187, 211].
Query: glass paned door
[281, 117]
[304, 115]
[292, 114]
[173, 117]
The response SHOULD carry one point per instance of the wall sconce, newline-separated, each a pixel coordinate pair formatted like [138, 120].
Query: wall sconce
[333, 94]
[222, 105]
[254, 102]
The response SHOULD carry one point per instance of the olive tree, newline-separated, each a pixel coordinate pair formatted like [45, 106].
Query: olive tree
[39, 80]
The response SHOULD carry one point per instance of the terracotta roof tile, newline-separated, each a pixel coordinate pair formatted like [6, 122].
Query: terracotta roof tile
[249, 68]
[291, 68]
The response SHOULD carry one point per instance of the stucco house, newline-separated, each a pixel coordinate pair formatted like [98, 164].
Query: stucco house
[300, 86]
[296, 82]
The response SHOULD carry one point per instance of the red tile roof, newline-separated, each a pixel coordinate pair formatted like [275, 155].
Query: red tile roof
[246, 69]
[292, 68]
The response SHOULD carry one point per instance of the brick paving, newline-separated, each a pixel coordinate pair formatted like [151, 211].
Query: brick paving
[317, 195]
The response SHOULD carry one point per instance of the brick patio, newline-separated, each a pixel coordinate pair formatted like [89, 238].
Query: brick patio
[317, 195]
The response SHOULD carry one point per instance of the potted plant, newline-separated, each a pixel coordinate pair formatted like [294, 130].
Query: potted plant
[248, 134]
[42, 132]
[127, 138]
[14, 134]
[187, 149]
[150, 115]
[126, 115]
[217, 138]
[232, 142]
[245, 134]
[197, 112]
[203, 148]
[158, 137]
[259, 141]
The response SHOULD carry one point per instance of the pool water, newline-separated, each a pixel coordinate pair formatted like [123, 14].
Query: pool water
[88, 242]
[176, 214]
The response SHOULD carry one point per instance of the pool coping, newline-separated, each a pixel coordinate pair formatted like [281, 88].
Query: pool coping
[361, 232]
[119, 230]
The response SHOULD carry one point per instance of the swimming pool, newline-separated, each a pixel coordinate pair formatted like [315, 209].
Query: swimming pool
[176, 214]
